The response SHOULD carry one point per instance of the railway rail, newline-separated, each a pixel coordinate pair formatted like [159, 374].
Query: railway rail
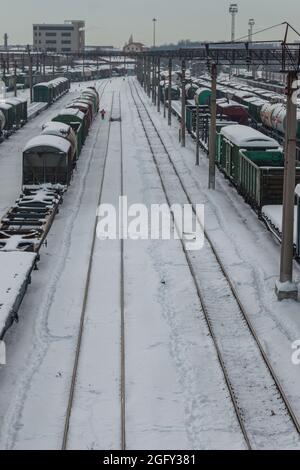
[259, 400]
[115, 120]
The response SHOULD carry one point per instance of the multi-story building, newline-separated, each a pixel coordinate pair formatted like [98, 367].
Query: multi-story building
[66, 37]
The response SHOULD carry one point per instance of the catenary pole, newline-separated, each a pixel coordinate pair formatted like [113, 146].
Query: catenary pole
[170, 94]
[212, 130]
[183, 69]
[286, 288]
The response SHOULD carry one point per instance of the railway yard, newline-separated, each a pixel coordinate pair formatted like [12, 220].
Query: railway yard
[145, 344]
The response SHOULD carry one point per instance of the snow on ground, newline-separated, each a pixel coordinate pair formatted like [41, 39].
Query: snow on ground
[274, 215]
[14, 270]
[40, 349]
[250, 254]
[175, 392]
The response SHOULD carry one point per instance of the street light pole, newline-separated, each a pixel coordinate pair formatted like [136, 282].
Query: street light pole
[154, 31]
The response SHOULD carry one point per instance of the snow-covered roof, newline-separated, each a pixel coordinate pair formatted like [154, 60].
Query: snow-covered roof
[59, 143]
[52, 83]
[230, 104]
[244, 136]
[59, 126]
[71, 112]
[13, 101]
[80, 103]
[44, 84]
[5, 105]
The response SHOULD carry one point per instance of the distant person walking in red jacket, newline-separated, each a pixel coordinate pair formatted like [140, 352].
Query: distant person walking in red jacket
[103, 112]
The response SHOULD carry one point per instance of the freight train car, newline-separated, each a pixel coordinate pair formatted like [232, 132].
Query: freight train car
[203, 96]
[47, 159]
[235, 138]
[76, 119]
[261, 177]
[48, 92]
[62, 130]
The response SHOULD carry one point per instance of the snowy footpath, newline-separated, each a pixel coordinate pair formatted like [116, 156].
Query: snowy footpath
[176, 396]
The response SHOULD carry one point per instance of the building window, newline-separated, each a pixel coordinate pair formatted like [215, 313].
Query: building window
[66, 49]
[50, 42]
[50, 34]
[66, 34]
[66, 42]
[56, 28]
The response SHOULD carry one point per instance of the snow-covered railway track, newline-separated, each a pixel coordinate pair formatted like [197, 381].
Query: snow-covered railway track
[262, 408]
[115, 120]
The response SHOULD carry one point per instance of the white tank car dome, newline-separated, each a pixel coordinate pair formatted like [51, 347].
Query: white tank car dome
[244, 136]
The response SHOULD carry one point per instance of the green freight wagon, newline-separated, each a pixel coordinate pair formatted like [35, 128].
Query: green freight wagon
[75, 119]
[18, 110]
[219, 125]
[237, 137]
[86, 110]
[43, 93]
[48, 92]
[261, 177]
[47, 159]
[254, 104]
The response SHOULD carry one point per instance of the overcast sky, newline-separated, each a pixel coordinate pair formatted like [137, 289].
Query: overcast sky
[110, 22]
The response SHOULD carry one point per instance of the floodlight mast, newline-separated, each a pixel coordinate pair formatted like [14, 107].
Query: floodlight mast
[233, 10]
